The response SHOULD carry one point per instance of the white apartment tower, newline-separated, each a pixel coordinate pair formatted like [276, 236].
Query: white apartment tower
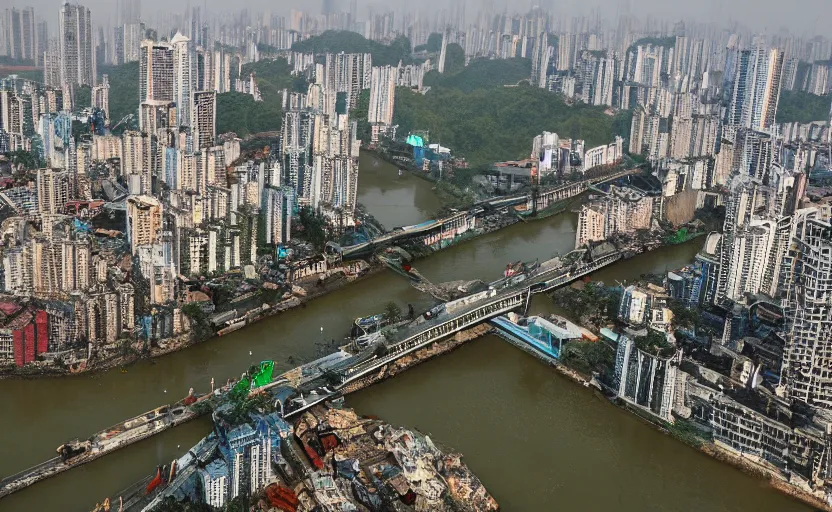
[21, 37]
[101, 96]
[144, 221]
[382, 95]
[182, 78]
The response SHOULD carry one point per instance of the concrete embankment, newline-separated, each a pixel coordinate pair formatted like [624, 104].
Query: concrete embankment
[420, 356]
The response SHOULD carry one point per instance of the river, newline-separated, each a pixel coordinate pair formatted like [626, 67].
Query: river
[534, 438]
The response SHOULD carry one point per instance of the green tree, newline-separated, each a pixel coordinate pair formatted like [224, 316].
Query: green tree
[588, 357]
[684, 316]
[239, 113]
[83, 97]
[200, 326]
[360, 114]
[482, 74]
[392, 311]
[802, 107]
[336, 41]
[27, 159]
[315, 228]
[433, 45]
[654, 343]
[454, 58]
[124, 89]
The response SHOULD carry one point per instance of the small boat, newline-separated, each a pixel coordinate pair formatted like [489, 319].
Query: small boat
[401, 173]
[156, 482]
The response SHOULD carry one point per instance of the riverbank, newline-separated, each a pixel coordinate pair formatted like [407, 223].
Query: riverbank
[714, 450]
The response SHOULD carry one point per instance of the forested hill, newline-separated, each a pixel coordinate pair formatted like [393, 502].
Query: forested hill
[802, 107]
[337, 41]
[498, 123]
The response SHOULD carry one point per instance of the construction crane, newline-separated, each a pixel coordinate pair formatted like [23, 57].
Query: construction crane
[128, 117]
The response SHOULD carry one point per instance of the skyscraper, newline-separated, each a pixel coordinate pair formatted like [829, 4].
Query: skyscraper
[756, 88]
[382, 99]
[76, 48]
[144, 221]
[182, 78]
[101, 96]
[131, 38]
[205, 117]
[21, 36]
[277, 208]
[155, 71]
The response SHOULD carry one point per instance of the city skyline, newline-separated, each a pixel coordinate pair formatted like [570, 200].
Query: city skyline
[770, 19]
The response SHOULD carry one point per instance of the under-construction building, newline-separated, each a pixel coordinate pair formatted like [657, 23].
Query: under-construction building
[807, 364]
[646, 380]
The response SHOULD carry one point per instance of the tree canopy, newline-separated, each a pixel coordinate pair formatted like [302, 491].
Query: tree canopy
[124, 89]
[34, 74]
[337, 41]
[239, 113]
[454, 58]
[433, 45]
[359, 115]
[498, 123]
[666, 42]
[273, 76]
[83, 97]
[802, 107]
[481, 74]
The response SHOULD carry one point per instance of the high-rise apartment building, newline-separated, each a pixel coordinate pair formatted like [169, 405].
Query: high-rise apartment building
[21, 35]
[277, 208]
[182, 78]
[76, 46]
[53, 191]
[41, 41]
[101, 96]
[756, 88]
[155, 71]
[132, 35]
[144, 221]
[382, 99]
[348, 73]
[205, 118]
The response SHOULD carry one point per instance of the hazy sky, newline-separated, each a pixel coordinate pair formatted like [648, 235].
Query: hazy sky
[799, 16]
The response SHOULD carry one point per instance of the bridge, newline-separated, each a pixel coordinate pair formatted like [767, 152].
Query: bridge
[450, 318]
[457, 223]
[464, 314]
